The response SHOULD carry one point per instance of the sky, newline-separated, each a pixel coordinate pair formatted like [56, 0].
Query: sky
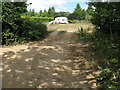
[60, 5]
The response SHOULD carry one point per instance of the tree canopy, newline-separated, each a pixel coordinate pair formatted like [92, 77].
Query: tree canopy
[79, 12]
[11, 19]
[107, 16]
[51, 12]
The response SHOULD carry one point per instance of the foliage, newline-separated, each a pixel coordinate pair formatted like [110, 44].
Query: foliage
[90, 9]
[40, 19]
[106, 38]
[0, 11]
[106, 55]
[51, 12]
[45, 13]
[78, 11]
[73, 21]
[11, 20]
[40, 13]
[61, 14]
[29, 13]
[81, 14]
[89, 12]
[78, 14]
[32, 30]
[17, 30]
[37, 14]
[107, 16]
[110, 65]
[72, 16]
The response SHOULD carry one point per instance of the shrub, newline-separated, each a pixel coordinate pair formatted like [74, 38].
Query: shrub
[106, 40]
[40, 19]
[11, 20]
[73, 21]
[17, 30]
[106, 56]
[107, 16]
[33, 30]
[110, 65]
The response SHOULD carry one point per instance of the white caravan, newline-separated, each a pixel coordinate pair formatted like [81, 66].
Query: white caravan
[61, 20]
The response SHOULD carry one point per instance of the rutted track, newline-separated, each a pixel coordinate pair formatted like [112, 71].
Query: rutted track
[56, 62]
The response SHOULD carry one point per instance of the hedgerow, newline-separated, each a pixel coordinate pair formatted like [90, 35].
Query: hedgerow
[32, 30]
[16, 29]
[106, 56]
[41, 19]
[106, 40]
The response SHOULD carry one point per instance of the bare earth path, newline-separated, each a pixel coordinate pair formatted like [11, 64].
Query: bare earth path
[56, 62]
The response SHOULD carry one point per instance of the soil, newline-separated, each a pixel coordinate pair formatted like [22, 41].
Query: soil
[58, 61]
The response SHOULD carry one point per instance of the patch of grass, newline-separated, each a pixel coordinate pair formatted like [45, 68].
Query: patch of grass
[50, 31]
[61, 32]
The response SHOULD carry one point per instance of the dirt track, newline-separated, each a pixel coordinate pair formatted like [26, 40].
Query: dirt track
[56, 62]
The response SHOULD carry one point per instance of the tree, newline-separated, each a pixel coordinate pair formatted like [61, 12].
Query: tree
[33, 12]
[40, 13]
[107, 21]
[107, 16]
[90, 10]
[44, 14]
[51, 12]
[72, 16]
[0, 12]
[83, 14]
[37, 14]
[79, 12]
[61, 14]
[11, 20]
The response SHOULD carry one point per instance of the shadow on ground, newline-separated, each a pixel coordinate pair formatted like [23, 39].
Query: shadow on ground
[56, 62]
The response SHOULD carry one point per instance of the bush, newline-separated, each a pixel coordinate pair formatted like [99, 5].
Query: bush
[107, 16]
[110, 65]
[106, 40]
[33, 30]
[106, 56]
[30, 30]
[17, 30]
[40, 19]
[11, 21]
[73, 21]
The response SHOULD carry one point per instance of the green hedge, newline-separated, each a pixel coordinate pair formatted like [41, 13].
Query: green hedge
[74, 21]
[29, 30]
[33, 30]
[42, 19]
[107, 17]
[11, 21]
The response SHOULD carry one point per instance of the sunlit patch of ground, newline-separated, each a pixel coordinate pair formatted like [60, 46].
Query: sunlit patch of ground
[56, 62]
[70, 27]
